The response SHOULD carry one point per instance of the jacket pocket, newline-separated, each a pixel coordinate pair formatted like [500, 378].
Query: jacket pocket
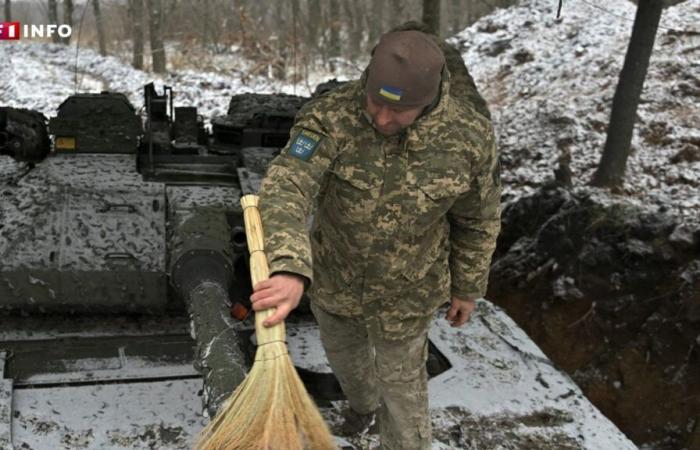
[431, 256]
[430, 199]
[352, 193]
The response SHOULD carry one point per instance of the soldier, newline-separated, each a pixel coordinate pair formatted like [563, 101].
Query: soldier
[404, 181]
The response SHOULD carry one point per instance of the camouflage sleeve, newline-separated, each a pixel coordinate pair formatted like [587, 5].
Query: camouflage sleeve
[475, 220]
[288, 192]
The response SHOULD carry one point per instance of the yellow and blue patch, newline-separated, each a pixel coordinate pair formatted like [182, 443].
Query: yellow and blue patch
[304, 144]
[391, 93]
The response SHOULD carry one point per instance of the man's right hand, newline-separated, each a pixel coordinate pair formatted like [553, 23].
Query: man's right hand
[281, 291]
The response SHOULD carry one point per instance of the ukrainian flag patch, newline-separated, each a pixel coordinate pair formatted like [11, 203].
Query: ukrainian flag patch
[304, 144]
[391, 93]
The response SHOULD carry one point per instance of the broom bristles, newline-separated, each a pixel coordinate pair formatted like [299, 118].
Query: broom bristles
[270, 410]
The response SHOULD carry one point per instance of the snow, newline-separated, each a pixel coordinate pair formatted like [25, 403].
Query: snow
[560, 97]
[549, 84]
[41, 76]
[500, 372]
[498, 375]
[120, 416]
[501, 391]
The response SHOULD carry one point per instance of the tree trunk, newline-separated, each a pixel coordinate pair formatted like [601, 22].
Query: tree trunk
[100, 28]
[375, 22]
[155, 30]
[396, 13]
[8, 11]
[431, 15]
[136, 15]
[354, 21]
[207, 23]
[315, 18]
[611, 170]
[53, 19]
[456, 22]
[334, 38]
[67, 17]
[296, 11]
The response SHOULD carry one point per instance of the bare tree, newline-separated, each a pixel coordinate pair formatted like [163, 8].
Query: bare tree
[431, 15]
[67, 18]
[456, 23]
[611, 169]
[155, 28]
[314, 15]
[136, 20]
[375, 21]
[296, 10]
[396, 15]
[53, 19]
[207, 38]
[354, 22]
[100, 27]
[334, 38]
[8, 11]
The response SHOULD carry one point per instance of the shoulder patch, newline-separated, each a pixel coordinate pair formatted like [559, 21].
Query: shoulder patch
[304, 144]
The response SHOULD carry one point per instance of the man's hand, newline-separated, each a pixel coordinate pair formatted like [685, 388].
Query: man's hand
[281, 291]
[460, 311]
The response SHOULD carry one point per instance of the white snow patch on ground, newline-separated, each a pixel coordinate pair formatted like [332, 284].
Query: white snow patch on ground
[550, 84]
[41, 76]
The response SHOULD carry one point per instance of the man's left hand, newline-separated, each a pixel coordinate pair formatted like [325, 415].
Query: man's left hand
[460, 311]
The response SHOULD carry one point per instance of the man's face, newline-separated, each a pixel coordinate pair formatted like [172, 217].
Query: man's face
[389, 120]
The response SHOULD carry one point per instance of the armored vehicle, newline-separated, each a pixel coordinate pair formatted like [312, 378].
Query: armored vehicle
[124, 291]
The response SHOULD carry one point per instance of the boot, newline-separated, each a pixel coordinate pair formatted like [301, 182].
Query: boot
[355, 423]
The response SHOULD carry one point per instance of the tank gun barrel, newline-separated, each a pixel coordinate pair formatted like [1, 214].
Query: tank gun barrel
[202, 274]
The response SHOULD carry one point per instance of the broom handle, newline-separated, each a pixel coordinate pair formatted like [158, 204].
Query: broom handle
[259, 269]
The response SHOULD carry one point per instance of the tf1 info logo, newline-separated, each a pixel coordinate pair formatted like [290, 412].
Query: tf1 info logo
[12, 31]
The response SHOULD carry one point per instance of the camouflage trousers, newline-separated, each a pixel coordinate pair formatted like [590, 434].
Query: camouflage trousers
[388, 376]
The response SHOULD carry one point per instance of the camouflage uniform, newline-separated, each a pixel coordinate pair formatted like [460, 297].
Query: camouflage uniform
[401, 224]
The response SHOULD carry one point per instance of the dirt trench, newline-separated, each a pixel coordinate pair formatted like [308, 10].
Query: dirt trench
[611, 293]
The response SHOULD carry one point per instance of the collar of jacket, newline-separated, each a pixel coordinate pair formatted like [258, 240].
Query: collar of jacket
[430, 117]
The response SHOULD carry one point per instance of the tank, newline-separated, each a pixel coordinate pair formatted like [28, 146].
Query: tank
[124, 286]
[124, 219]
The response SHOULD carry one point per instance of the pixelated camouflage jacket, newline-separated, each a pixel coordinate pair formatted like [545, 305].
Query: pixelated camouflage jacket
[401, 223]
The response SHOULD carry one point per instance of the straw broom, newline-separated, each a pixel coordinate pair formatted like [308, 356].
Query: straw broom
[271, 409]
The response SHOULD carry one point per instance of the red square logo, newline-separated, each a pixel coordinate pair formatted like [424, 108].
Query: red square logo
[9, 31]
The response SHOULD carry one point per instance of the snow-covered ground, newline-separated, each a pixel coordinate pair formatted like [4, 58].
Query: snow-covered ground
[41, 76]
[550, 85]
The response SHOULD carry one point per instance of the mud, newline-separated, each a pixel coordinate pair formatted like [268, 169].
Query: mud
[611, 293]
